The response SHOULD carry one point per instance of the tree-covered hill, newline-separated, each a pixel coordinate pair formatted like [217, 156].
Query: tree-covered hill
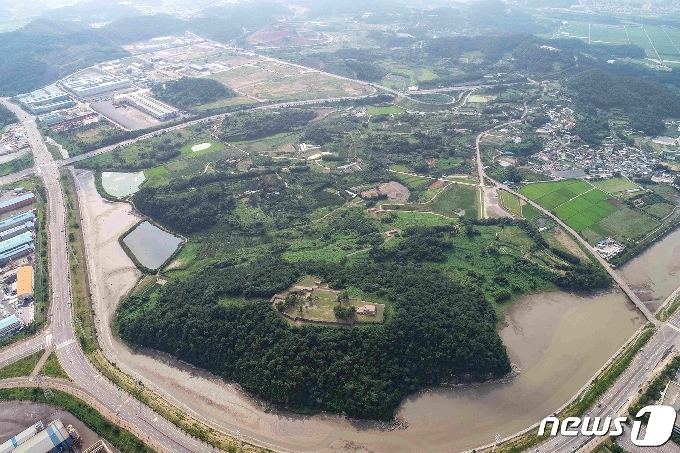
[645, 103]
[44, 51]
[6, 117]
[189, 92]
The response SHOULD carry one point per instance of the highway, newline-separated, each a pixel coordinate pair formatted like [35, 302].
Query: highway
[59, 331]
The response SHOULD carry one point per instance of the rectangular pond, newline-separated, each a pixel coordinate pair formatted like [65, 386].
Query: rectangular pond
[151, 245]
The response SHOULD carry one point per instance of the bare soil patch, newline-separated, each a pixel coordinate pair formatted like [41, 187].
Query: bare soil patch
[395, 191]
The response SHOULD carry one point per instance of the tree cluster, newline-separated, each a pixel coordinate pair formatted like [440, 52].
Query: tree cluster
[189, 92]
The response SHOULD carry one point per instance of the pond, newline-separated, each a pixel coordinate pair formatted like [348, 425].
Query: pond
[151, 245]
[122, 184]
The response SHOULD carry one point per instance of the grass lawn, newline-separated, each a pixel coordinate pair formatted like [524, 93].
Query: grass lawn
[413, 182]
[389, 110]
[214, 146]
[529, 212]
[53, 368]
[615, 185]
[22, 367]
[511, 202]
[155, 171]
[402, 220]
[457, 200]
[403, 168]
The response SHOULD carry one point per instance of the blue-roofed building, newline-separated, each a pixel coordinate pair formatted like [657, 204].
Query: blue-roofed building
[17, 202]
[22, 437]
[16, 219]
[16, 231]
[16, 241]
[55, 438]
[15, 253]
[9, 326]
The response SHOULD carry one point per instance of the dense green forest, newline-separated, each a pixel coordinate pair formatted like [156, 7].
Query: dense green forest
[6, 117]
[258, 124]
[189, 92]
[645, 103]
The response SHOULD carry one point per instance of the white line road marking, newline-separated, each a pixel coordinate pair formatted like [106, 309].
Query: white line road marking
[65, 343]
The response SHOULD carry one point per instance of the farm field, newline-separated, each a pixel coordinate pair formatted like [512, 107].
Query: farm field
[665, 39]
[553, 194]
[511, 203]
[529, 212]
[585, 210]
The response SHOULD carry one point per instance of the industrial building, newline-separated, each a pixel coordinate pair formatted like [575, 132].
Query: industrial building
[16, 247]
[54, 438]
[17, 202]
[16, 220]
[21, 437]
[147, 104]
[8, 327]
[16, 231]
[25, 283]
[92, 86]
[46, 100]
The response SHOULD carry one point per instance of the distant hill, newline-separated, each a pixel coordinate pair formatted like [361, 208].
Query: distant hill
[43, 51]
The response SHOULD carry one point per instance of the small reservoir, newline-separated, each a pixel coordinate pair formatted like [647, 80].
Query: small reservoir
[151, 245]
[122, 184]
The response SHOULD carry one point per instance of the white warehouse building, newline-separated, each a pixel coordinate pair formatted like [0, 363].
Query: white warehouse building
[92, 86]
[147, 104]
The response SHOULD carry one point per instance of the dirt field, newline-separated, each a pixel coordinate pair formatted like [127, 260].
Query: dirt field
[16, 416]
[395, 191]
[307, 86]
[568, 243]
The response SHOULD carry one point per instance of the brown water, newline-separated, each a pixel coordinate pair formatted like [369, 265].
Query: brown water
[559, 340]
[655, 274]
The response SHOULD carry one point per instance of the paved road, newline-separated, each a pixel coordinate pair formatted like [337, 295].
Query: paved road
[60, 330]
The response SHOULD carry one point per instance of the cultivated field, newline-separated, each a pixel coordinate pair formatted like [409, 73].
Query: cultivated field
[615, 185]
[552, 194]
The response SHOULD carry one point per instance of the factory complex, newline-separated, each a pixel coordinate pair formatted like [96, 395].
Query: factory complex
[143, 101]
[53, 438]
[83, 87]
[46, 100]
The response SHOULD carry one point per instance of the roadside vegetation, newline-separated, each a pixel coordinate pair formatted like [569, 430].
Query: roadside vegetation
[82, 305]
[53, 368]
[668, 311]
[22, 367]
[13, 166]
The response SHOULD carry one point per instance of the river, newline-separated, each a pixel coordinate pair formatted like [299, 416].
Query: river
[655, 273]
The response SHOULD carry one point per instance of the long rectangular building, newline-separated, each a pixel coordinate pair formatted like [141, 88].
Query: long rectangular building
[147, 104]
[17, 202]
[25, 283]
[15, 253]
[92, 86]
[16, 231]
[16, 219]
[16, 241]
[55, 438]
[46, 100]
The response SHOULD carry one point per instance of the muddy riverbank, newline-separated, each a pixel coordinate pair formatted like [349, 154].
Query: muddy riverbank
[655, 273]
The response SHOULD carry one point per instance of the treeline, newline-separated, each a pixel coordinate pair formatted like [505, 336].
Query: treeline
[440, 330]
[257, 124]
[189, 92]
[7, 117]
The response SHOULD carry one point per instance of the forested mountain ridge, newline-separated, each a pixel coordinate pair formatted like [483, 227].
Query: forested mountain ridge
[43, 51]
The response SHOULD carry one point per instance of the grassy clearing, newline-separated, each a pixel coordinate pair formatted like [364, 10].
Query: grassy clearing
[22, 367]
[530, 213]
[627, 223]
[156, 171]
[53, 368]
[389, 110]
[54, 151]
[659, 210]
[614, 185]
[82, 305]
[120, 438]
[214, 146]
[511, 202]
[457, 200]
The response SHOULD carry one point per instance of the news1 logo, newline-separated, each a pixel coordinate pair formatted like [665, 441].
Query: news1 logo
[659, 426]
